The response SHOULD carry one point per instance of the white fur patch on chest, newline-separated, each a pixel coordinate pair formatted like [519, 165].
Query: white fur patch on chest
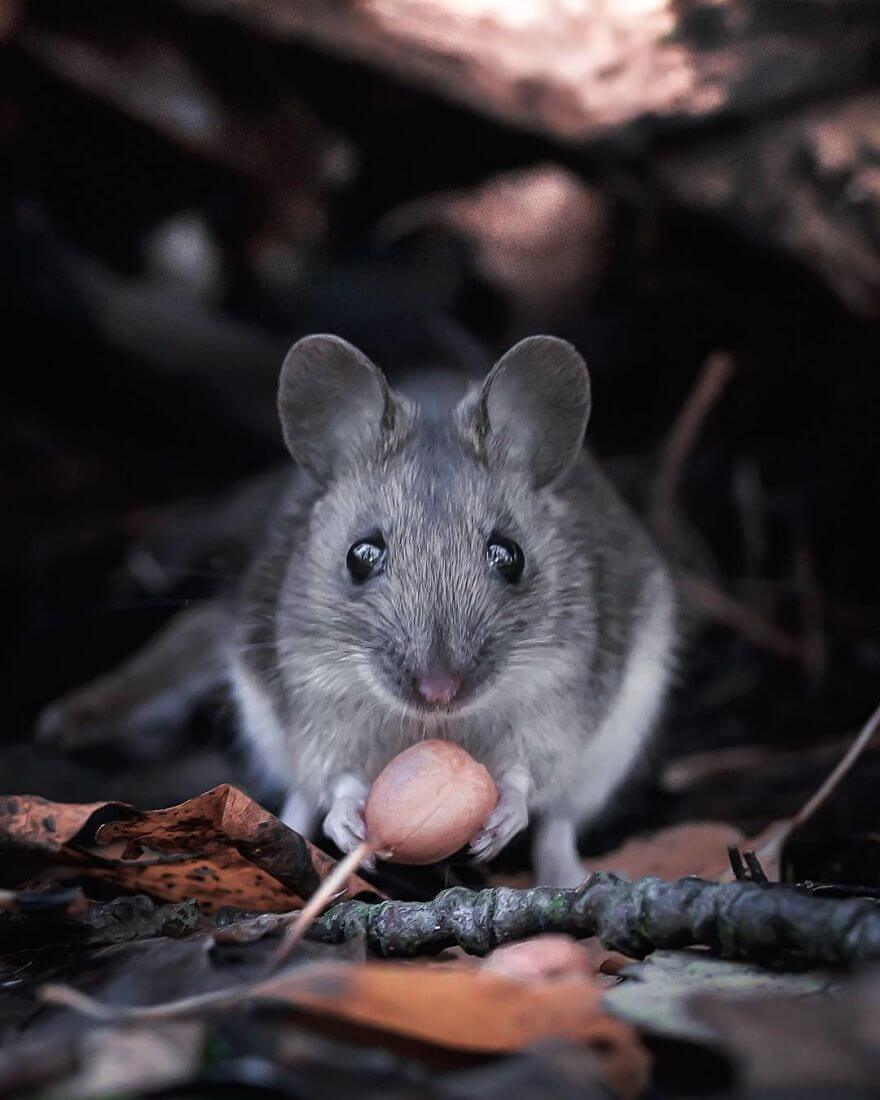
[257, 720]
[630, 720]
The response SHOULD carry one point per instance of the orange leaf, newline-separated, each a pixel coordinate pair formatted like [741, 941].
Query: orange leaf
[695, 848]
[33, 825]
[220, 848]
[241, 855]
[466, 1009]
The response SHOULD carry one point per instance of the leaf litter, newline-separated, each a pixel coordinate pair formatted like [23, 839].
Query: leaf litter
[151, 931]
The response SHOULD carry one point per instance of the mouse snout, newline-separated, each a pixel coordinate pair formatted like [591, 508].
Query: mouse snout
[437, 686]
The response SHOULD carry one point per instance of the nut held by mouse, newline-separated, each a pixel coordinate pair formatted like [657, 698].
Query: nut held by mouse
[428, 802]
[452, 566]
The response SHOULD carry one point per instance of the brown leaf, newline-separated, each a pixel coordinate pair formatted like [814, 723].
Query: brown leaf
[234, 853]
[548, 957]
[696, 848]
[606, 964]
[32, 825]
[220, 848]
[467, 1009]
[538, 235]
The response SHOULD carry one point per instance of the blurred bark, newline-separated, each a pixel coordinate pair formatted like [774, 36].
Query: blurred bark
[627, 75]
[795, 167]
[539, 236]
[266, 136]
[585, 70]
[808, 184]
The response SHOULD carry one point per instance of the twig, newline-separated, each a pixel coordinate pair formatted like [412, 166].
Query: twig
[332, 885]
[839, 890]
[771, 850]
[66, 996]
[737, 866]
[740, 617]
[864, 737]
[756, 871]
[738, 920]
[746, 867]
[710, 384]
[691, 771]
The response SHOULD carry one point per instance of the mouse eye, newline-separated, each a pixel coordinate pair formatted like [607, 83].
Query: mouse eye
[505, 557]
[366, 558]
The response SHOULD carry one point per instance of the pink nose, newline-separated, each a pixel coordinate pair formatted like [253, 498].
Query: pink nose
[437, 686]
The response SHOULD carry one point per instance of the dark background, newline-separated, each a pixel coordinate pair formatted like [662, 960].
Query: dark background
[184, 192]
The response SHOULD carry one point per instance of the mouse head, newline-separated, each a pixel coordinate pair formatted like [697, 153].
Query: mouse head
[439, 551]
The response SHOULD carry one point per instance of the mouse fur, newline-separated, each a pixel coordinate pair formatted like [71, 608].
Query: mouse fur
[554, 679]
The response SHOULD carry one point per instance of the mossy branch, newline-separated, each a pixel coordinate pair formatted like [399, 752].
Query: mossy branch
[736, 920]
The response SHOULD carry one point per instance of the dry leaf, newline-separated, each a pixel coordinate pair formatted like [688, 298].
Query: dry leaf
[695, 848]
[32, 825]
[467, 1009]
[220, 848]
[606, 964]
[450, 1007]
[548, 957]
[798, 1043]
[656, 994]
[235, 853]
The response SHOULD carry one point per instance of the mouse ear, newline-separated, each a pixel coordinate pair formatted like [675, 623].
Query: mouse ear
[333, 403]
[534, 407]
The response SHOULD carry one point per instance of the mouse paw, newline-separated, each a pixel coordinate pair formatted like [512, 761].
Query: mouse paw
[345, 824]
[509, 817]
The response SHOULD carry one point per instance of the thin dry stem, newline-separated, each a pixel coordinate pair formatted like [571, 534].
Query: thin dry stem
[710, 384]
[852, 754]
[332, 885]
[740, 617]
[771, 849]
[66, 996]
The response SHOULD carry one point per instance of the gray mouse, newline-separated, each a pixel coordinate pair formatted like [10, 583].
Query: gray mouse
[451, 563]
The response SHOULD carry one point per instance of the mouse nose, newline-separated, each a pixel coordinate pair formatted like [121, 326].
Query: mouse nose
[437, 686]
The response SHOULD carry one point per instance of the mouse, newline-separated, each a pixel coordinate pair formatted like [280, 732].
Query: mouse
[449, 561]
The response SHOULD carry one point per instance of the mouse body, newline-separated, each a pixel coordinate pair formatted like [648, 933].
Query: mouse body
[450, 562]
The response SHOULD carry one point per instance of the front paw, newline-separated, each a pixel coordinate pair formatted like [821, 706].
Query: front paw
[344, 823]
[509, 817]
